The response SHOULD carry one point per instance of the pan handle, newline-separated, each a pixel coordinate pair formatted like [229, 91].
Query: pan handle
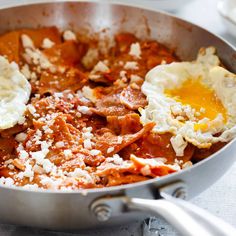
[187, 218]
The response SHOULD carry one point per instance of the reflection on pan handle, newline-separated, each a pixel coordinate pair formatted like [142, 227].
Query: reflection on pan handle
[187, 218]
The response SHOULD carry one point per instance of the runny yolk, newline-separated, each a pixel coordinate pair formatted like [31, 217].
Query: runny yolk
[198, 95]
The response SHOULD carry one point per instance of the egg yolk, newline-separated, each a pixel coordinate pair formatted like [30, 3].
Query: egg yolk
[198, 96]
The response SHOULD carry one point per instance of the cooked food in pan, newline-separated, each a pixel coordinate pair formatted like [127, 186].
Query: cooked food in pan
[77, 112]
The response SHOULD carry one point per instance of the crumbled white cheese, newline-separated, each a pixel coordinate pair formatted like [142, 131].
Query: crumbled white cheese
[87, 129]
[179, 144]
[100, 67]
[187, 164]
[120, 83]
[31, 109]
[38, 169]
[119, 140]
[135, 50]
[131, 65]
[78, 114]
[26, 71]
[90, 58]
[28, 172]
[84, 110]
[94, 77]
[110, 149]
[87, 135]
[33, 76]
[27, 41]
[81, 96]
[87, 144]
[38, 58]
[47, 165]
[135, 79]
[7, 162]
[51, 183]
[69, 35]
[21, 137]
[146, 170]
[134, 86]
[39, 156]
[11, 167]
[70, 96]
[47, 130]
[58, 95]
[123, 75]
[88, 93]
[6, 181]
[117, 159]
[47, 43]
[60, 144]
[95, 152]
[82, 174]
[67, 152]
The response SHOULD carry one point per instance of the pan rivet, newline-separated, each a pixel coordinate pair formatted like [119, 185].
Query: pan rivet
[102, 212]
[180, 192]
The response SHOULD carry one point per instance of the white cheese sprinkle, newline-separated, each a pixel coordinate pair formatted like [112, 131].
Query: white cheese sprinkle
[47, 43]
[135, 79]
[84, 110]
[69, 35]
[187, 164]
[21, 137]
[6, 181]
[87, 135]
[110, 149]
[27, 41]
[47, 165]
[60, 144]
[67, 152]
[100, 67]
[179, 144]
[135, 50]
[90, 58]
[146, 170]
[119, 140]
[26, 71]
[131, 65]
[31, 109]
[95, 152]
[87, 144]
[88, 93]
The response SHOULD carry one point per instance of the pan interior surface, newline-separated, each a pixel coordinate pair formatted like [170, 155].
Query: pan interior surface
[89, 18]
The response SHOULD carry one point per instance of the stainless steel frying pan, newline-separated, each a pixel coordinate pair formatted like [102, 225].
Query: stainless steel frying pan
[119, 205]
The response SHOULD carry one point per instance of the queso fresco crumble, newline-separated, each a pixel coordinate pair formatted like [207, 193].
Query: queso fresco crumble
[78, 125]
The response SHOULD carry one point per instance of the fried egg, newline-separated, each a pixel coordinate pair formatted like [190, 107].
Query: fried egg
[14, 94]
[195, 101]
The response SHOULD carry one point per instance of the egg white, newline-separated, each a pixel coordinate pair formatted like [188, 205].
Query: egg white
[167, 113]
[14, 94]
